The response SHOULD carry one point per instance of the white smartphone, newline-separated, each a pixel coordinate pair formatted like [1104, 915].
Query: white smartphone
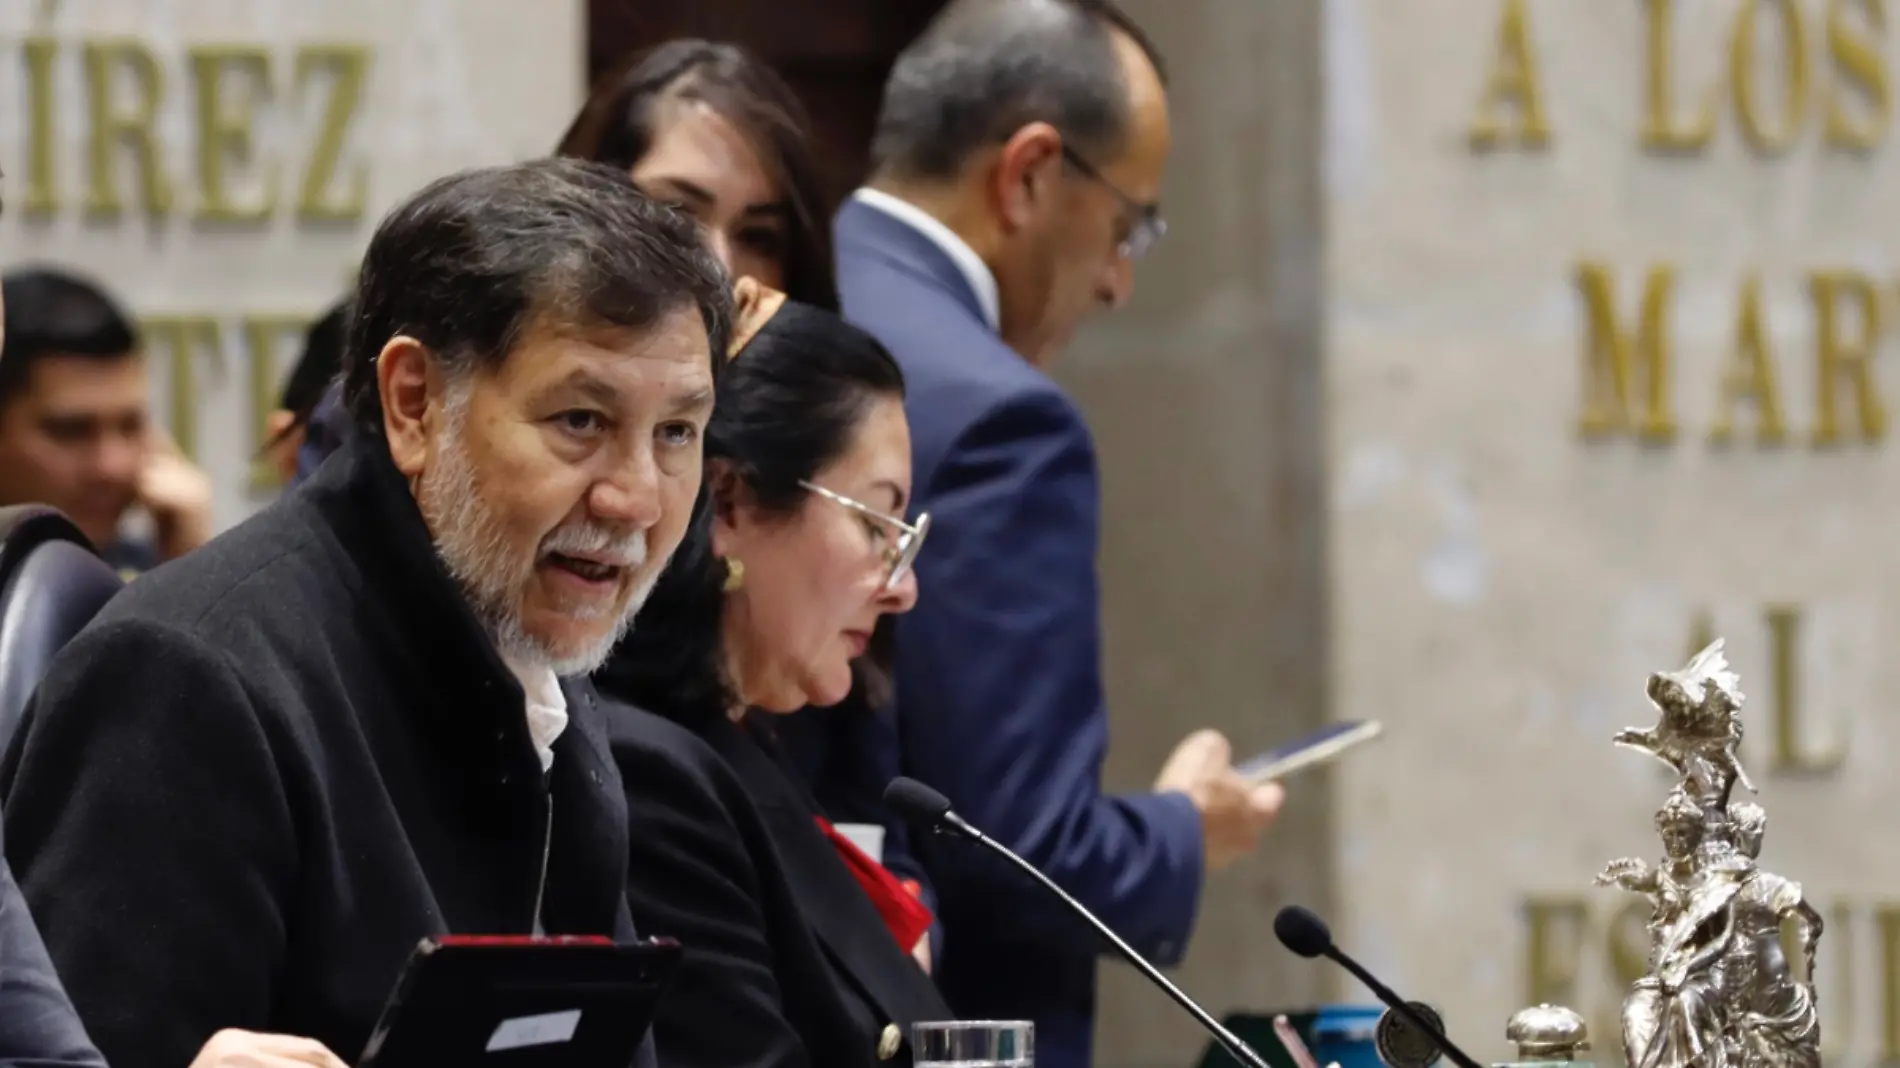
[1316, 748]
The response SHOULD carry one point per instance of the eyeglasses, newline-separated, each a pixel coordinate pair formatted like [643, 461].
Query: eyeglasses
[1148, 227]
[899, 554]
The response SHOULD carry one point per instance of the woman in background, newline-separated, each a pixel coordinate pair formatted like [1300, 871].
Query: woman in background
[308, 421]
[710, 128]
[797, 944]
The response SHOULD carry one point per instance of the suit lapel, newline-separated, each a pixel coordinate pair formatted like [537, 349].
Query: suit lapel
[863, 230]
[829, 897]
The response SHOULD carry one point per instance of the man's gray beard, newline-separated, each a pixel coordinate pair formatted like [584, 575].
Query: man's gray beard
[474, 547]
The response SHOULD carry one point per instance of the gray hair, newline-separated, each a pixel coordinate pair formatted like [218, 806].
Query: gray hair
[984, 69]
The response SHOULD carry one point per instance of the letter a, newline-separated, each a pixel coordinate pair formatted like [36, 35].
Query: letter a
[1513, 77]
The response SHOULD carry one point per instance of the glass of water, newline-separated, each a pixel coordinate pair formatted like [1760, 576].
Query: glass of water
[974, 1044]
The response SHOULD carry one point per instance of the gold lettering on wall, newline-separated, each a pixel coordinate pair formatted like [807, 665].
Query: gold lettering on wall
[1750, 375]
[183, 337]
[1838, 357]
[1553, 949]
[1616, 361]
[1838, 1022]
[1663, 127]
[1887, 920]
[1794, 751]
[135, 128]
[232, 93]
[1776, 135]
[348, 67]
[41, 195]
[227, 129]
[1513, 79]
[1793, 740]
[1858, 60]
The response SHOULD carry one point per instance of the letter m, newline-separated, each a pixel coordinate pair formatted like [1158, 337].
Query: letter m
[1616, 364]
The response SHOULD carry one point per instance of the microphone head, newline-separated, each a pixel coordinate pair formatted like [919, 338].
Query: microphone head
[916, 803]
[1302, 932]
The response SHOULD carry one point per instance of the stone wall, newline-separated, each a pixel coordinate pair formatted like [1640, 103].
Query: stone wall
[1207, 401]
[1387, 434]
[1534, 503]
[278, 133]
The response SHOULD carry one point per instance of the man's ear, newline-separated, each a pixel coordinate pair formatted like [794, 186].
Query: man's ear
[412, 389]
[1023, 178]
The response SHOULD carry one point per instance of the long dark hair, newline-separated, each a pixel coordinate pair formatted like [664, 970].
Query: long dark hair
[617, 126]
[788, 406]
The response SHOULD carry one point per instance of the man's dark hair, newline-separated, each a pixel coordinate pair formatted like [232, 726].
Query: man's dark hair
[472, 262]
[51, 312]
[621, 119]
[984, 69]
[790, 404]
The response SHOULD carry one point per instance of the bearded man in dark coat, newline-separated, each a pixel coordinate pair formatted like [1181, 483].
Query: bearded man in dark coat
[245, 792]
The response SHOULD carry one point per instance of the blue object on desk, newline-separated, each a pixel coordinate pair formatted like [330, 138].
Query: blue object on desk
[1343, 1033]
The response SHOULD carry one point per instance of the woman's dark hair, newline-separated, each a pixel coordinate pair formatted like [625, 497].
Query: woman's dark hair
[619, 124]
[316, 370]
[788, 406]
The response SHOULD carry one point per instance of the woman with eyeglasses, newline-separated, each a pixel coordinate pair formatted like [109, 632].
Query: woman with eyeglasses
[712, 129]
[798, 945]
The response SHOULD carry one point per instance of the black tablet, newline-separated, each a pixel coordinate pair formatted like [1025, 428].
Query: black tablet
[511, 1002]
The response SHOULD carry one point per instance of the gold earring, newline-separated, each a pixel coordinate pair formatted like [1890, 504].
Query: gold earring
[735, 573]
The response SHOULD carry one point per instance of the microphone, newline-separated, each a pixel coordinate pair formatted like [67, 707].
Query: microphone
[923, 807]
[1307, 935]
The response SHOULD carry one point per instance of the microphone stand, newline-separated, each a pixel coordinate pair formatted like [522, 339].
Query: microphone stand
[1240, 1050]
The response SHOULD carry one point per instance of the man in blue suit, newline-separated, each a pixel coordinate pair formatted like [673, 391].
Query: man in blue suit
[1017, 164]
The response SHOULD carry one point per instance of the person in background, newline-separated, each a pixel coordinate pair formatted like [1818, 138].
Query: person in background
[711, 129]
[1017, 163]
[800, 549]
[37, 1023]
[75, 428]
[39, 1027]
[248, 788]
[292, 433]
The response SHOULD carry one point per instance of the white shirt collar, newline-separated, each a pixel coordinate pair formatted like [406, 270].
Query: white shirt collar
[977, 273]
[547, 708]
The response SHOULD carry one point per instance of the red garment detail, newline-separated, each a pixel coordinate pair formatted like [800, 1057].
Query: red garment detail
[897, 900]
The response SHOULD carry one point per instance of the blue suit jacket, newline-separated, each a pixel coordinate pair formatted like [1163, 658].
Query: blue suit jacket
[999, 683]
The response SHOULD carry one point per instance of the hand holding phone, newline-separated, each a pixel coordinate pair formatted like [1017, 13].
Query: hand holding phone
[1233, 811]
[1316, 748]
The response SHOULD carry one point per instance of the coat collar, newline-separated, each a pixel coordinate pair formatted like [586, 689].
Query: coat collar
[470, 709]
[424, 624]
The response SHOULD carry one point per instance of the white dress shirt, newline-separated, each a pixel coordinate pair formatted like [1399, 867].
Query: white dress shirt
[547, 708]
[977, 273]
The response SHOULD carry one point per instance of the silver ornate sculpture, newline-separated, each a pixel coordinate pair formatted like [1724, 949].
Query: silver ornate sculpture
[1718, 992]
